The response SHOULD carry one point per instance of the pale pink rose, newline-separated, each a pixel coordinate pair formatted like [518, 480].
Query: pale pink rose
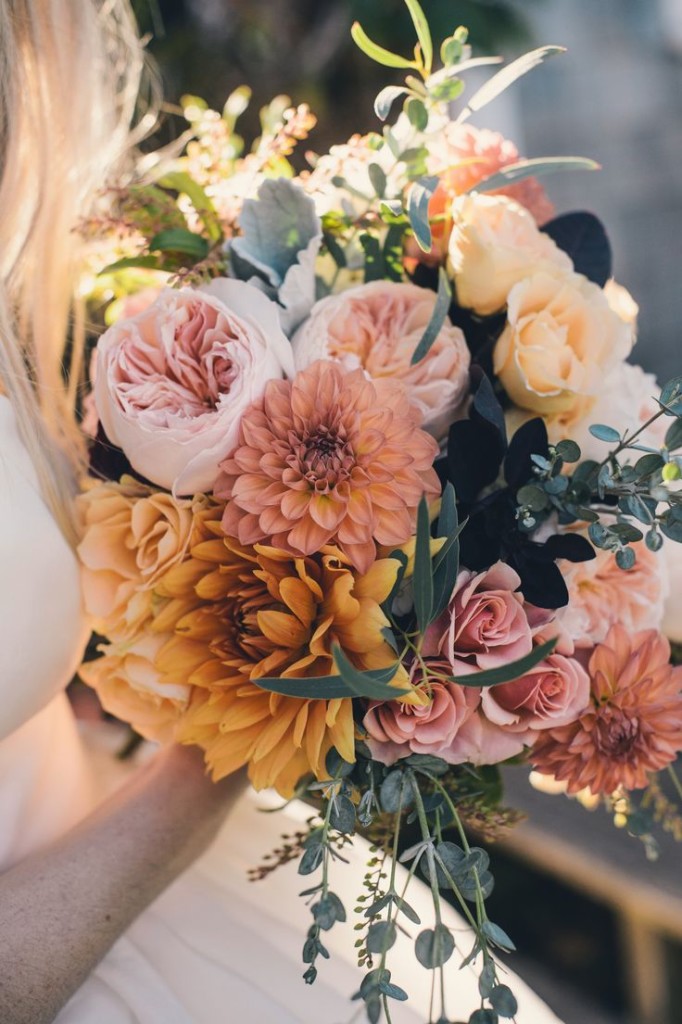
[671, 555]
[601, 595]
[396, 729]
[485, 624]
[495, 243]
[625, 401]
[378, 326]
[173, 381]
[552, 694]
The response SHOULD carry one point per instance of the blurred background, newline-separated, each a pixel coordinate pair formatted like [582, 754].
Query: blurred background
[597, 924]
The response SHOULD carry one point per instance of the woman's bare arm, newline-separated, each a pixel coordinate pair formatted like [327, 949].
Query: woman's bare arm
[62, 909]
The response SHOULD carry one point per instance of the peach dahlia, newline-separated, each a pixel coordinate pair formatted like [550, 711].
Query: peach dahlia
[328, 458]
[633, 725]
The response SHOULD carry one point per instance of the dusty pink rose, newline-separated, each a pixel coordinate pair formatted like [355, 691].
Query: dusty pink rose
[378, 326]
[485, 624]
[632, 725]
[396, 730]
[602, 595]
[173, 381]
[552, 694]
[480, 741]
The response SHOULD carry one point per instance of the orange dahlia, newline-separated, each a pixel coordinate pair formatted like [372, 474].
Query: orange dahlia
[633, 725]
[328, 458]
[251, 612]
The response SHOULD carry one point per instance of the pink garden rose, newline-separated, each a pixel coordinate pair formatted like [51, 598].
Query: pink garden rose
[396, 729]
[378, 326]
[552, 694]
[173, 381]
[485, 624]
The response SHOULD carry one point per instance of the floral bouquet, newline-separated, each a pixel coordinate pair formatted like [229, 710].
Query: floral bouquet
[355, 520]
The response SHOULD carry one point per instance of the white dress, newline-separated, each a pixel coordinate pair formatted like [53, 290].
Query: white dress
[214, 948]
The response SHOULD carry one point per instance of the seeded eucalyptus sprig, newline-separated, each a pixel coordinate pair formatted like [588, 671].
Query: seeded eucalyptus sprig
[626, 497]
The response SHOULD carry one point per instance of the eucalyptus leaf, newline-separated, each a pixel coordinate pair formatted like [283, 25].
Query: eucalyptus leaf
[507, 76]
[535, 168]
[446, 570]
[568, 450]
[386, 98]
[380, 937]
[671, 397]
[342, 816]
[377, 176]
[417, 114]
[434, 947]
[498, 936]
[422, 580]
[437, 318]
[604, 433]
[626, 558]
[508, 673]
[503, 1001]
[418, 210]
[373, 683]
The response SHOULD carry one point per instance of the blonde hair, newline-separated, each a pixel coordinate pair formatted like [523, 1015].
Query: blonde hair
[70, 72]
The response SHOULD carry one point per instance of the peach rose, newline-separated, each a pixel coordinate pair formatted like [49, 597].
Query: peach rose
[485, 624]
[552, 694]
[131, 537]
[173, 381]
[480, 741]
[601, 595]
[129, 686]
[462, 155]
[495, 243]
[562, 338]
[378, 326]
[396, 730]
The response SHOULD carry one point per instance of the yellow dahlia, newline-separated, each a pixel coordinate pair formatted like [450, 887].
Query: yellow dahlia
[252, 612]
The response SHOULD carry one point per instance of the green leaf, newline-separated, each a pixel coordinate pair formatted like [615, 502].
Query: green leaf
[671, 397]
[129, 262]
[422, 581]
[377, 176]
[503, 1001]
[626, 558]
[380, 937]
[438, 317]
[569, 451]
[445, 573]
[386, 98]
[181, 241]
[423, 32]
[648, 464]
[394, 794]
[447, 92]
[508, 673]
[417, 114]
[450, 51]
[373, 685]
[342, 816]
[498, 936]
[376, 52]
[333, 687]
[434, 947]
[374, 263]
[604, 433]
[418, 210]
[512, 173]
[507, 76]
[673, 437]
[533, 497]
[179, 181]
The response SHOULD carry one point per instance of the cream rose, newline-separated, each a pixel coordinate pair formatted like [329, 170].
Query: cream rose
[378, 326]
[495, 243]
[562, 338]
[173, 381]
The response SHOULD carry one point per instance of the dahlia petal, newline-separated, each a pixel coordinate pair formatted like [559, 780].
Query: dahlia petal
[308, 536]
[282, 629]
